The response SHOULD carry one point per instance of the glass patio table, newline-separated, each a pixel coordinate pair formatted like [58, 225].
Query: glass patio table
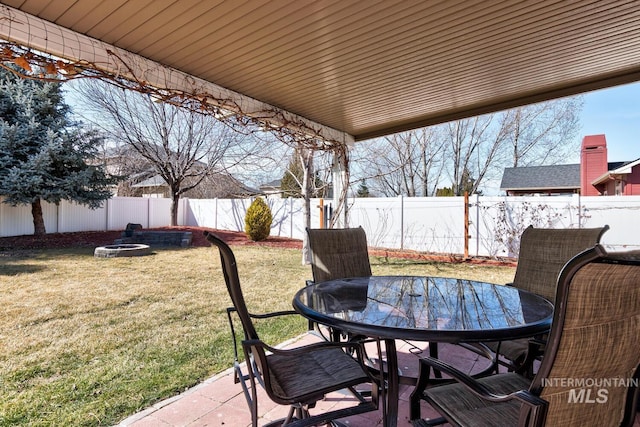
[417, 308]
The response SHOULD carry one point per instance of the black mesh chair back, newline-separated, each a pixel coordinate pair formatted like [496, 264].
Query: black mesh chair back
[298, 377]
[593, 341]
[232, 281]
[543, 253]
[337, 253]
[589, 372]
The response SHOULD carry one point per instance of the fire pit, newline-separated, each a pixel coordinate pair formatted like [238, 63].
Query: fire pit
[122, 250]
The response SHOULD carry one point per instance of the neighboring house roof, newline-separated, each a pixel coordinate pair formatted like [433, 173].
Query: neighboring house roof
[226, 186]
[271, 186]
[617, 168]
[154, 181]
[554, 177]
[541, 178]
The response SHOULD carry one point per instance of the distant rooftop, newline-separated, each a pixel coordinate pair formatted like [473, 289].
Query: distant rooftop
[542, 177]
[551, 177]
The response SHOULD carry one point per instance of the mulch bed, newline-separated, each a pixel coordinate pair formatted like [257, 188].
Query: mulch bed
[102, 238]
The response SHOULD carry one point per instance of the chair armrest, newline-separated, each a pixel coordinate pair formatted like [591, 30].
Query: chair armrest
[265, 315]
[478, 388]
[255, 316]
[538, 341]
[534, 409]
[273, 314]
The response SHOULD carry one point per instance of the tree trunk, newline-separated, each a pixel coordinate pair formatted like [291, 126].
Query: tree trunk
[306, 159]
[175, 202]
[38, 219]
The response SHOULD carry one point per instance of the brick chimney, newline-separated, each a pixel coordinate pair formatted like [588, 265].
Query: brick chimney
[593, 163]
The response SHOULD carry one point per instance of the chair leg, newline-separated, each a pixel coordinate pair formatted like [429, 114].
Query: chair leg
[416, 395]
[433, 352]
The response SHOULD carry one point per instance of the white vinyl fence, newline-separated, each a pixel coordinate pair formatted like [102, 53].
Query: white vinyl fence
[429, 224]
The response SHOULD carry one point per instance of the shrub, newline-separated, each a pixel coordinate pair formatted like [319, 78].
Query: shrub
[257, 221]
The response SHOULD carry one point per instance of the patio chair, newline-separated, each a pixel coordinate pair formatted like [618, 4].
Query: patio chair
[297, 377]
[337, 253]
[543, 253]
[593, 343]
[340, 253]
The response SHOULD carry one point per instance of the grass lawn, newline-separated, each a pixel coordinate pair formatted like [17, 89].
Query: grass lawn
[90, 341]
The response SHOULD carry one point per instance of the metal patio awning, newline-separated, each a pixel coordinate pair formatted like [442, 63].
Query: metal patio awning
[354, 69]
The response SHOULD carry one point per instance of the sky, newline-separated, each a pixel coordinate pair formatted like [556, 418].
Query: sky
[614, 112]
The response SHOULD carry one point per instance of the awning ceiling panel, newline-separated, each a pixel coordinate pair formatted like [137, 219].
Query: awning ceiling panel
[370, 68]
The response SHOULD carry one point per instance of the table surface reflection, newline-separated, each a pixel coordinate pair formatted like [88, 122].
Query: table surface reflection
[425, 308]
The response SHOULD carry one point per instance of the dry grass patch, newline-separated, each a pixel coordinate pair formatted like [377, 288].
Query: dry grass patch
[89, 341]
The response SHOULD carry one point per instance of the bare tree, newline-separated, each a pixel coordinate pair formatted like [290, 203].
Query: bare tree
[408, 163]
[476, 145]
[302, 179]
[470, 151]
[540, 134]
[183, 146]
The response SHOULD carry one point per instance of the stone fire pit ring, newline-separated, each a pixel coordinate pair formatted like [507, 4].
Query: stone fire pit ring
[122, 250]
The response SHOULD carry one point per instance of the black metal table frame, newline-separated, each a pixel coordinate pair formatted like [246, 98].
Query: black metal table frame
[390, 334]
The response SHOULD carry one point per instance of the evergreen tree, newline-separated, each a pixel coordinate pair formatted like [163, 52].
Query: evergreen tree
[44, 156]
[467, 184]
[445, 192]
[290, 183]
[363, 190]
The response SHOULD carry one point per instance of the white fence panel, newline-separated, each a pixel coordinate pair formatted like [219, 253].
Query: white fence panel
[202, 213]
[498, 222]
[435, 225]
[380, 218]
[231, 214]
[124, 210]
[288, 217]
[296, 218]
[15, 221]
[225, 214]
[18, 220]
[50, 214]
[76, 217]
[621, 213]
[159, 212]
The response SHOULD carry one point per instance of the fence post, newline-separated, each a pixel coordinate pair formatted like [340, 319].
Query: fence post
[401, 222]
[477, 222]
[109, 213]
[291, 218]
[466, 224]
[321, 207]
[580, 225]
